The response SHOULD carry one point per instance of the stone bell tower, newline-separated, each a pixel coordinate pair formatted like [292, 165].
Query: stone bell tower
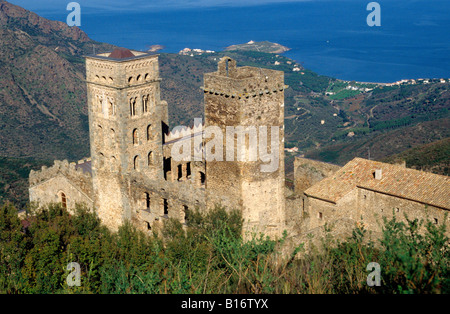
[126, 121]
[250, 102]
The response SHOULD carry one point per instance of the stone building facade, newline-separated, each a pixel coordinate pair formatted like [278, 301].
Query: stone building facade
[135, 172]
[366, 191]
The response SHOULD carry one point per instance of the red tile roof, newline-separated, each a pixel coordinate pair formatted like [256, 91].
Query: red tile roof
[121, 53]
[420, 186]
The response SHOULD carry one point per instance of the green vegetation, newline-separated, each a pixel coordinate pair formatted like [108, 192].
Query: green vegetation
[211, 257]
[432, 157]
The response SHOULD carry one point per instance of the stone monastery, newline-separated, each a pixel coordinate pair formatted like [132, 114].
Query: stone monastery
[132, 175]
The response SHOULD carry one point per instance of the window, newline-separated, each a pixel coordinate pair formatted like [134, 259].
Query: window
[165, 205]
[149, 132]
[113, 163]
[167, 166]
[145, 103]
[63, 200]
[202, 178]
[101, 160]
[188, 170]
[150, 159]
[436, 221]
[180, 172]
[111, 108]
[320, 215]
[133, 107]
[186, 213]
[147, 200]
[135, 137]
[136, 163]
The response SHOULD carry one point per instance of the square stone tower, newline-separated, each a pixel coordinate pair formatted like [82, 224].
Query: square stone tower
[251, 100]
[126, 122]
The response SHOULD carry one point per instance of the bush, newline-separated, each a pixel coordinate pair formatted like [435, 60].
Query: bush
[209, 255]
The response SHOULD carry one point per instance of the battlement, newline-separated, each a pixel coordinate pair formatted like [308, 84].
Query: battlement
[80, 170]
[239, 82]
[183, 131]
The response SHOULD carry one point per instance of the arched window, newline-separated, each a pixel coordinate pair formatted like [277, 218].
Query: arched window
[136, 163]
[135, 137]
[101, 160]
[149, 132]
[63, 200]
[111, 108]
[113, 163]
[180, 172]
[145, 103]
[133, 107]
[150, 159]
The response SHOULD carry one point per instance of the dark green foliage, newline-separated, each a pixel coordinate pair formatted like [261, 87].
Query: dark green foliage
[209, 255]
[14, 174]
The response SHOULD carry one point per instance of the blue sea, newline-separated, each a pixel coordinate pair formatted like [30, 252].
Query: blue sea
[329, 37]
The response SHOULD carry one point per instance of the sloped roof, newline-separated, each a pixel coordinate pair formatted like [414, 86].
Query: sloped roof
[420, 186]
[85, 166]
[121, 53]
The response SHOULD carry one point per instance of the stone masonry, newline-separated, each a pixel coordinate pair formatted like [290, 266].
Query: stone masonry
[133, 173]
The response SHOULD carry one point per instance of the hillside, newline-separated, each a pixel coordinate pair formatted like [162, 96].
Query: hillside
[432, 157]
[14, 174]
[42, 94]
[43, 113]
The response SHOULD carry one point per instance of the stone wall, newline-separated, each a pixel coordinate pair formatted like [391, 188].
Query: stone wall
[369, 208]
[71, 180]
[308, 172]
[250, 98]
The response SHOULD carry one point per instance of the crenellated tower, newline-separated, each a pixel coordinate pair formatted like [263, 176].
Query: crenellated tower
[126, 123]
[248, 101]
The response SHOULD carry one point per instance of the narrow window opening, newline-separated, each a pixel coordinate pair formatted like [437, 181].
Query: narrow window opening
[186, 213]
[149, 132]
[167, 166]
[180, 172]
[150, 159]
[63, 200]
[202, 178]
[165, 207]
[136, 163]
[145, 103]
[147, 200]
[226, 65]
[135, 137]
[188, 170]
[320, 215]
[133, 107]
